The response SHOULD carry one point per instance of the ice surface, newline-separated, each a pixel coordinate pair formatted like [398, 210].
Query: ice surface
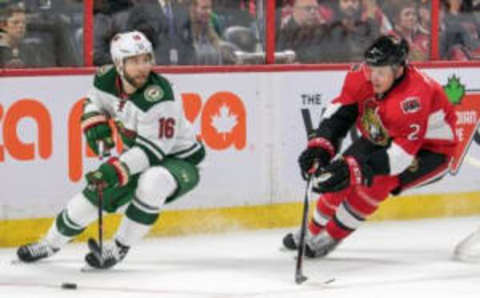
[404, 259]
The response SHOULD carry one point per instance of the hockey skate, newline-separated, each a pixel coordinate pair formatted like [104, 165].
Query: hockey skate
[35, 251]
[291, 240]
[320, 245]
[109, 257]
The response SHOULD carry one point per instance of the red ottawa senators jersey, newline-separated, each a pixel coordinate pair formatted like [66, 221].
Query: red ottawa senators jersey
[415, 114]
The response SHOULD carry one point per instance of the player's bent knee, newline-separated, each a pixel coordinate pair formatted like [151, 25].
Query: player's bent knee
[155, 186]
[81, 211]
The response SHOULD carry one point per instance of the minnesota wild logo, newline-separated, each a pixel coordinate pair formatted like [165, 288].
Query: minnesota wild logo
[468, 117]
[153, 93]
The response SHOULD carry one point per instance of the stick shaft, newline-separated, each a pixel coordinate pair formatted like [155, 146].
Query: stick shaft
[101, 155]
[100, 219]
[299, 277]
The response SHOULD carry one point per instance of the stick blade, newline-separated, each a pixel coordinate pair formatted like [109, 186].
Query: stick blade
[300, 278]
[94, 248]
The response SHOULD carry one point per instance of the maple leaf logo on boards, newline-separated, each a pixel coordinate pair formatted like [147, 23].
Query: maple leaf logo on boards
[224, 121]
[468, 118]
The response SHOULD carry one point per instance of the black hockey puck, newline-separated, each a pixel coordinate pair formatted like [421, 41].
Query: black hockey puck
[69, 286]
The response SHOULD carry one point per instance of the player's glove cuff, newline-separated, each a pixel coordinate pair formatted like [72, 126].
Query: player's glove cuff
[96, 129]
[113, 173]
[319, 142]
[92, 119]
[121, 169]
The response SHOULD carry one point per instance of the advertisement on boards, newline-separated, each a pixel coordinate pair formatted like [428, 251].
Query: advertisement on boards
[254, 126]
[43, 156]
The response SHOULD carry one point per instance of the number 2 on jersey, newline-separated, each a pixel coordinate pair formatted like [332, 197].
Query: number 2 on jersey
[413, 136]
[166, 128]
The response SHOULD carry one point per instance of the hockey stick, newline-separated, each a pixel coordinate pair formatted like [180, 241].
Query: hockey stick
[100, 221]
[100, 187]
[299, 276]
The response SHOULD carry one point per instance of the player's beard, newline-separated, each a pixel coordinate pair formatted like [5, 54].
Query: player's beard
[137, 81]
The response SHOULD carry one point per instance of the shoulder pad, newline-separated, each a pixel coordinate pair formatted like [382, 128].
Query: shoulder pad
[105, 78]
[102, 70]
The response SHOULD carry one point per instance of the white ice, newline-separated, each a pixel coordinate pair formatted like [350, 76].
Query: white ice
[403, 259]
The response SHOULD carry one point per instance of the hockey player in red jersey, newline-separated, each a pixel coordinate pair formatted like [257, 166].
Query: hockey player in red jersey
[407, 139]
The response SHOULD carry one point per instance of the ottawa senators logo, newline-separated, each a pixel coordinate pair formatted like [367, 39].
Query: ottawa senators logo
[372, 124]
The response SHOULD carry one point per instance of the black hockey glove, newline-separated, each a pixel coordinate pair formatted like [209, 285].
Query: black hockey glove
[319, 151]
[341, 174]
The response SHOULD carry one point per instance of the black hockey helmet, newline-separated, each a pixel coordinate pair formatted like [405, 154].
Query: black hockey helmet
[387, 50]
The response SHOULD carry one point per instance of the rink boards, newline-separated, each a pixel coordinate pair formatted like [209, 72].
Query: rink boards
[253, 125]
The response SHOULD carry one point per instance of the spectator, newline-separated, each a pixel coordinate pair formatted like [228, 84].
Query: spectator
[110, 18]
[205, 32]
[406, 25]
[460, 39]
[16, 51]
[168, 27]
[285, 9]
[178, 45]
[67, 29]
[303, 32]
[424, 15]
[323, 15]
[201, 11]
[371, 10]
[230, 13]
[350, 32]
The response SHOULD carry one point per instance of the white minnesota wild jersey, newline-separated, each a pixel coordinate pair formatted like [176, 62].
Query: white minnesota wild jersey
[150, 118]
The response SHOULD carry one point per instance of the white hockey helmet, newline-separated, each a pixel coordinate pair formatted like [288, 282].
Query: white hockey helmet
[129, 44]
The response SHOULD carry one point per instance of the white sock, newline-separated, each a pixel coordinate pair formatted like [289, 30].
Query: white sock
[55, 239]
[130, 232]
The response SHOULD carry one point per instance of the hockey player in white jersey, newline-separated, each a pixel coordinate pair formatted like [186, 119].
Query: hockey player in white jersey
[158, 165]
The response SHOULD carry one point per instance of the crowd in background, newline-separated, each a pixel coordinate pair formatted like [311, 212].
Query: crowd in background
[46, 33]
[41, 33]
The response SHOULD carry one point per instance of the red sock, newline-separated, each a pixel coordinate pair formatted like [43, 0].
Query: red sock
[314, 227]
[360, 203]
[338, 232]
